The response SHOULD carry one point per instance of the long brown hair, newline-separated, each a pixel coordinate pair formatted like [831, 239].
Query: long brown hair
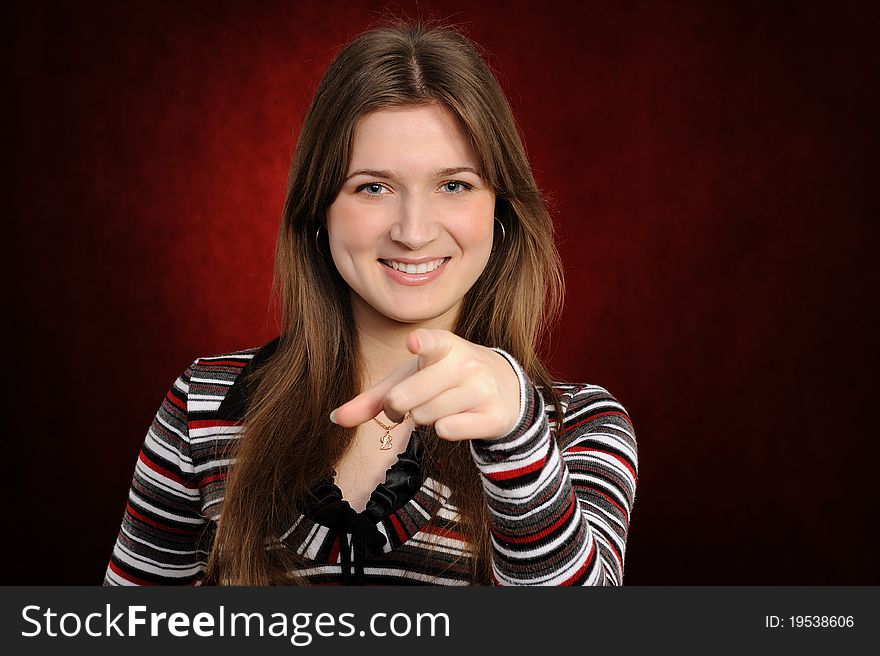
[287, 441]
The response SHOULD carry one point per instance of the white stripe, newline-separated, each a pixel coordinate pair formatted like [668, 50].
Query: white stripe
[202, 406]
[422, 511]
[335, 569]
[595, 459]
[212, 464]
[140, 558]
[608, 439]
[152, 569]
[623, 428]
[449, 545]
[600, 483]
[523, 492]
[158, 446]
[601, 522]
[521, 379]
[211, 431]
[519, 554]
[414, 576]
[450, 513]
[604, 539]
[169, 485]
[555, 578]
[589, 390]
[214, 381]
[321, 570]
[291, 529]
[439, 489]
[535, 453]
[539, 509]
[138, 500]
[214, 438]
[386, 548]
[316, 541]
[134, 538]
[229, 356]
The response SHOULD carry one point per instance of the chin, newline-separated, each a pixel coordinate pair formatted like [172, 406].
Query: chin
[415, 316]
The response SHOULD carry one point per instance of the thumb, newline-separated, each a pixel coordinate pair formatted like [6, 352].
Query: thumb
[431, 345]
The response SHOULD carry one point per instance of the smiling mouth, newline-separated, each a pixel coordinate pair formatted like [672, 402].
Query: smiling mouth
[413, 269]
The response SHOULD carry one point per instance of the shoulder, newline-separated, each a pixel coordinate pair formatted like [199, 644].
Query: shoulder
[217, 383]
[221, 368]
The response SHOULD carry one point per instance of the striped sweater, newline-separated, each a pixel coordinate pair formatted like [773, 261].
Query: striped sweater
[559, 499]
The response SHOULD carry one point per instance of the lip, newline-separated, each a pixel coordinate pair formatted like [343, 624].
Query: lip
[413, 279]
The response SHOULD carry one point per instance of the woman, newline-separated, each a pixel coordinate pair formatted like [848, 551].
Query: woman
[416, 269]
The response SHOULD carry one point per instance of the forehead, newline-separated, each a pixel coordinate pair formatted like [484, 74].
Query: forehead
[411, 138]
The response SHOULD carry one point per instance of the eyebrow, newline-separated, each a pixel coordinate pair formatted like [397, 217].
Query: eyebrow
[391, 175]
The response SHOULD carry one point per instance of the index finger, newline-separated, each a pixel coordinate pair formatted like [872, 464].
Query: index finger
[369, 403]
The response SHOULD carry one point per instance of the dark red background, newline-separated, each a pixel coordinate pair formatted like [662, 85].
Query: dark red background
[713, 178]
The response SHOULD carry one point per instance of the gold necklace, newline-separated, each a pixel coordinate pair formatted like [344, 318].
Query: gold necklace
[385, 442]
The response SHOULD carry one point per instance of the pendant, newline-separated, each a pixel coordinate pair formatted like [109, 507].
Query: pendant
[386, 441]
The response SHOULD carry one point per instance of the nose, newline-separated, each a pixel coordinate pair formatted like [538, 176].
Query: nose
[413, 226]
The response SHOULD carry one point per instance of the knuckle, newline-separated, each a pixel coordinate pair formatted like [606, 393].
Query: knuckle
[471, 367]
[485, 387]
[396, 399]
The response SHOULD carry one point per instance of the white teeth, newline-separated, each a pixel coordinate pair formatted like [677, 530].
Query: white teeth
[424, 267]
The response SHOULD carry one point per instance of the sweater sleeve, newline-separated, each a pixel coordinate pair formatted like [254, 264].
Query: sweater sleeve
[560, 507]
[159, 540]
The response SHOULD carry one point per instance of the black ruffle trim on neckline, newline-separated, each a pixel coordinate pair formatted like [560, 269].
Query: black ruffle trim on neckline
[325, 506]
[402, 480]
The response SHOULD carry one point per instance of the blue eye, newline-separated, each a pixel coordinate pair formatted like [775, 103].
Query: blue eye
[456, 186]
[372, 188]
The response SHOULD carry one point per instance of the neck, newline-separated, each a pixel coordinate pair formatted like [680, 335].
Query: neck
[382, 342]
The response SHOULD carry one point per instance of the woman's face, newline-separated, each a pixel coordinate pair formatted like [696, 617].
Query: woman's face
[411, 229]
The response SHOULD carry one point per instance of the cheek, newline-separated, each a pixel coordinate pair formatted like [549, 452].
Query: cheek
[474, 231]
[349, 230]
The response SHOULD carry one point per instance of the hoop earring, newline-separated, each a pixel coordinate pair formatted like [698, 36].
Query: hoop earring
[503, 231]
[317, 236]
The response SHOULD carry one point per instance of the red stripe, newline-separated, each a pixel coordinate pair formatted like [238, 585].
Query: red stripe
[596, 416]
[212, 423]
[610, 500]
[164, 472]
[566, 516]
[212, 478]
[180, 404]
[398, 528]
[514, 473]
[224, 363]
[162, 527]
[334, 550]
[607, 453]
[444, 532]
[589, 561]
